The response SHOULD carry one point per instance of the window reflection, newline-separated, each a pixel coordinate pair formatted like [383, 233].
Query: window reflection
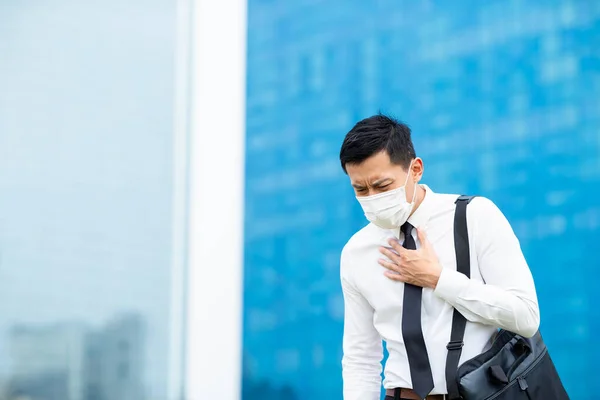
[87, 184]
[71, 360]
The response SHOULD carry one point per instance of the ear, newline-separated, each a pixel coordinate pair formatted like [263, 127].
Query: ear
[417, 169]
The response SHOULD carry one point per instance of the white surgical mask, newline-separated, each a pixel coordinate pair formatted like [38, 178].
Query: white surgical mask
[388, 210]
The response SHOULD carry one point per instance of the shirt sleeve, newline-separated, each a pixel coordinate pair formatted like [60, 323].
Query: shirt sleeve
[507, 299]
[363, 351]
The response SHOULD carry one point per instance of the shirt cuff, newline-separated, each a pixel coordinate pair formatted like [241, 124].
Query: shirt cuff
[450, 285]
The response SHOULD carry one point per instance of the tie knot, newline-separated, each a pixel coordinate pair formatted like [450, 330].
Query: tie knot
[406, 229]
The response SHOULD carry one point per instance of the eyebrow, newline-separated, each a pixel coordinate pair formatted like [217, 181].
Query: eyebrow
[378, 182]
[381, 181]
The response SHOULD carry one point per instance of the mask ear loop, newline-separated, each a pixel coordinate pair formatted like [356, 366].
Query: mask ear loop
[415, 186]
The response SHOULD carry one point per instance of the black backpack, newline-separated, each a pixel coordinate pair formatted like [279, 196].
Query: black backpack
[514, 367]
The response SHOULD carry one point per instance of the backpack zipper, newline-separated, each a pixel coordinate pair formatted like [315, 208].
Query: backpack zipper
[524, 386]
[520, 378]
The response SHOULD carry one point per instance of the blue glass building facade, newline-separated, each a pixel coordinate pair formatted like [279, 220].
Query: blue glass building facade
[502, 97]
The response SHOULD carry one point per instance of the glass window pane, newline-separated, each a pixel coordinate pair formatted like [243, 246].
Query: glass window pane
[86, 206]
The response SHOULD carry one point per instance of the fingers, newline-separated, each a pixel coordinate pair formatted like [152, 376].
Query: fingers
[391, 254]
[395, 276]
[389, 265]
[422, 236]
[397, 246]
[394, 270]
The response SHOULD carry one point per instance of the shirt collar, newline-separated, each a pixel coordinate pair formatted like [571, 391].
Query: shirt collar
[421, 215]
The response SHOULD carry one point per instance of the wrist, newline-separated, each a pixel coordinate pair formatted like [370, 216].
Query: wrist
[434, 277]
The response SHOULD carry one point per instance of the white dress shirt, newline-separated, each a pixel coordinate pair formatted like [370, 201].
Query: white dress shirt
[500, 294]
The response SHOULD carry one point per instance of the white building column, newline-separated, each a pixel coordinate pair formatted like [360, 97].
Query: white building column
[216, 200]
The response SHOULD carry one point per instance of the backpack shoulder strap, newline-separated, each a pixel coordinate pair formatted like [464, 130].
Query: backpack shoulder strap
[463, 265]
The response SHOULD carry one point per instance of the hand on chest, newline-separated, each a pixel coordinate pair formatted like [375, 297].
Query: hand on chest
[379, 289]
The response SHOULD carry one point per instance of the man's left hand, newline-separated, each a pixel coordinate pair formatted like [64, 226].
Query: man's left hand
[418, 267]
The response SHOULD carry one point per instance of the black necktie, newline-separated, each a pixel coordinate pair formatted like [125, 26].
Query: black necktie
[420, 371]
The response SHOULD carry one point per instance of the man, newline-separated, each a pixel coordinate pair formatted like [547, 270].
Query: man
[399, 276]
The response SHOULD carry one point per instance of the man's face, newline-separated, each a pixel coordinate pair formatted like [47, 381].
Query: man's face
[377, 174]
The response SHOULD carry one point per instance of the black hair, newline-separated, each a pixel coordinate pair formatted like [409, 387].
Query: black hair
[376, 134]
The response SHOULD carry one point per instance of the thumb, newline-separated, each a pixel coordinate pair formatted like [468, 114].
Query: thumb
[422, 236]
